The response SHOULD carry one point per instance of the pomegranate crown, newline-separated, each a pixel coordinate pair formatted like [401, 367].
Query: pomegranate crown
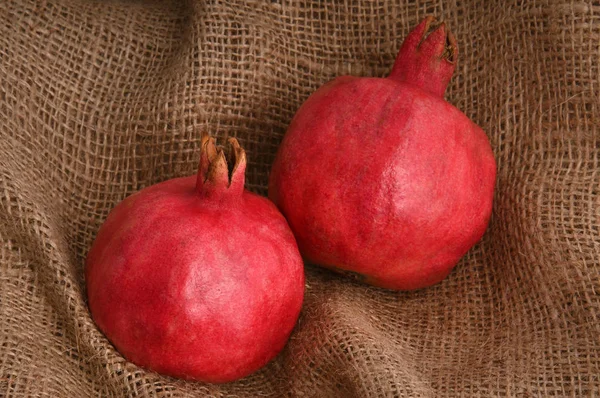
[427, 57]
[221, 173]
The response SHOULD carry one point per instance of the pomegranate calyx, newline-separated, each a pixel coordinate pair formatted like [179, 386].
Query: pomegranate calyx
[427, 58]
[237, 157]
[221, 172]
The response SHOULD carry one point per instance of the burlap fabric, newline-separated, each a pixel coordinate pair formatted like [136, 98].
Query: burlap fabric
[101, 99]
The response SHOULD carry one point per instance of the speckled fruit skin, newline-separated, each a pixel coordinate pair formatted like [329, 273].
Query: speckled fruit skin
[383, 178]
[196, 278]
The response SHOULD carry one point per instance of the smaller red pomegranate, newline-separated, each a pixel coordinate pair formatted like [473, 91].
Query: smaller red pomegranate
[196, 277]
[381, 177]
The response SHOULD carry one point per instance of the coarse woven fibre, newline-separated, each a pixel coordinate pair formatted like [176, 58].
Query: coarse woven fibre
[101, 99]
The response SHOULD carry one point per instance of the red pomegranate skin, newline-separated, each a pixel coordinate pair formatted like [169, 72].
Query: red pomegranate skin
[196, 278]
[383, 179]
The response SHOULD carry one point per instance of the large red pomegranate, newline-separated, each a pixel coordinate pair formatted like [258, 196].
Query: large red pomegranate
[382, 177]
[196, 277]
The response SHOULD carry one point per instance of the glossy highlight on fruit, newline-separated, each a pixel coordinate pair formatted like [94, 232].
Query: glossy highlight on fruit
[381, 177]
[196, 277]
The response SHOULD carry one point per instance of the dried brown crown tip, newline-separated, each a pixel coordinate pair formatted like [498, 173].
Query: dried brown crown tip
[451, 51]
[237, 155]
[435, 38]
[209, 147]
[219, 164]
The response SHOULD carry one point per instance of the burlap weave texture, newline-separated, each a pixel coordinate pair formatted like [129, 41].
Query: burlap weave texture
[101, 99]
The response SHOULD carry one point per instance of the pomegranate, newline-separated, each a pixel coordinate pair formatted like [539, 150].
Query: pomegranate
[381, 177]
[196, 277]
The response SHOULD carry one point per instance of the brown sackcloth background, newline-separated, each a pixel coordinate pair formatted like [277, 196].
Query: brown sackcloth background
[101, 99]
